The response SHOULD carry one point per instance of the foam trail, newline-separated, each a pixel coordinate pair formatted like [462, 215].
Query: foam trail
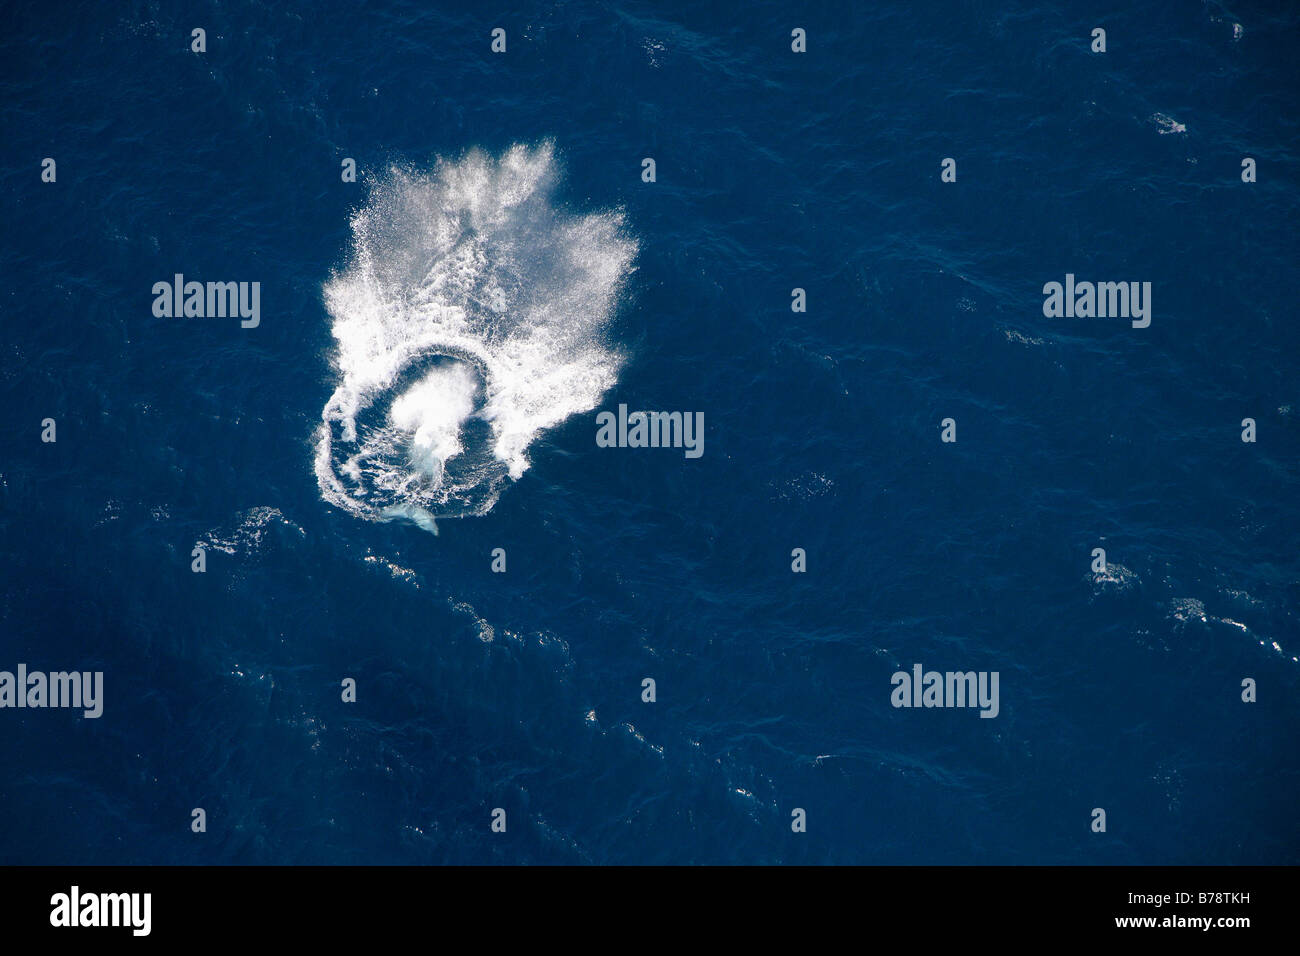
[470, 317]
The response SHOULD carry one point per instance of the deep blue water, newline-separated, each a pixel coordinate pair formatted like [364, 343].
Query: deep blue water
[775, 170]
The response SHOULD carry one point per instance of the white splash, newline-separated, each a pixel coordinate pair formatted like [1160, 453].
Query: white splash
[472, 315]
[1168, 125]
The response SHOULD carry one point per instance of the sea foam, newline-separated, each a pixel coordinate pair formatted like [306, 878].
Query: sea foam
[471, 316]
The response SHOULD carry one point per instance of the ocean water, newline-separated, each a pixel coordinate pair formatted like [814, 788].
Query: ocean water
[436, 340]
